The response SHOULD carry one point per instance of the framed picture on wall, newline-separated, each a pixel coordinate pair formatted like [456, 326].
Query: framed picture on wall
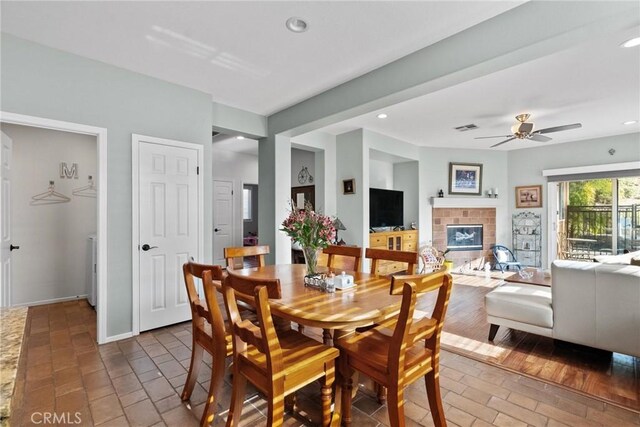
[529, 196]
[465, 178]
[349, 186]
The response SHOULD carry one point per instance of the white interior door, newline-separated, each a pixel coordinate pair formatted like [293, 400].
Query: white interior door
[169, 230]
[5, 211]
[222, 219]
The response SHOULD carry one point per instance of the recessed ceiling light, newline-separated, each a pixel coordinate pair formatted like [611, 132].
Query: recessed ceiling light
[382, 116]
[297, 25]
[239, 137]
[630, 122]
[632, 42]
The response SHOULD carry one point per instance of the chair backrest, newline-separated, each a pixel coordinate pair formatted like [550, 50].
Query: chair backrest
[409, 331]
[339, 257]
[245, 333]
[500, 251]
[231, 254]
[376, 255]
[199, 312]
[431, 259]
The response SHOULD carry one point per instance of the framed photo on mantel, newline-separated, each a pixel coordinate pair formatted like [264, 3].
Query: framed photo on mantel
[465, 178]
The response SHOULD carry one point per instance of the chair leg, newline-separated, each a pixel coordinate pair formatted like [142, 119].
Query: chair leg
[237, 399]
[196, 360]
[395, 406]
[215, 388]
[432, 381]
[275, 406]
[329, 378]
[381, 392]
[493, 330]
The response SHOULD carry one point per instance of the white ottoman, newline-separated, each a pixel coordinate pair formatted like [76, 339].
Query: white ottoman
[520, 306]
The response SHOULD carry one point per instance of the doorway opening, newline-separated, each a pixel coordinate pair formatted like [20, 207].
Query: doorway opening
[598, 217]
[82, 187]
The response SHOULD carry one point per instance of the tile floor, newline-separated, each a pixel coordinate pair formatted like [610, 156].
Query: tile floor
[138, 382]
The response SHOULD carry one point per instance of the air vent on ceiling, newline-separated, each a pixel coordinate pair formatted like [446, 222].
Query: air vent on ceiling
[466, 127]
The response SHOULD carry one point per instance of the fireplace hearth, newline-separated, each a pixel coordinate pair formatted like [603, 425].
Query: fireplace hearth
[464, 237]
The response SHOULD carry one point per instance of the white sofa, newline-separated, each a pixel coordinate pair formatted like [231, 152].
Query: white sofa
[592, 304]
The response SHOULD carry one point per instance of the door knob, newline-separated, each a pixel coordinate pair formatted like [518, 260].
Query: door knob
[216, 229]
[11, 247]
[146, 247]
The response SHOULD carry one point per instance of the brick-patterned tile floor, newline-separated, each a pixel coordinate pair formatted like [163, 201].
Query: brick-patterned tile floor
[138, 382]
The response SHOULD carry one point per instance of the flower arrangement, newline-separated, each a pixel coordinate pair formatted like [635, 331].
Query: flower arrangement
[312, 230]
[309, 228]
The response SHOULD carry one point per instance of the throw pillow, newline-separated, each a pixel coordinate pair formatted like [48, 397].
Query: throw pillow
[502, 256]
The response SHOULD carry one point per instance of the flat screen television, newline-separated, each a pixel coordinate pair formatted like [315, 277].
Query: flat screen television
[385, 208]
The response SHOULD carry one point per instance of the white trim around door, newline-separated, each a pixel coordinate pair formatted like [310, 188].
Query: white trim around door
[136, 140]
[101, 136]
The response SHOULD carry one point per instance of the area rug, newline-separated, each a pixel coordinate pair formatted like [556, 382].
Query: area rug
[611, 377]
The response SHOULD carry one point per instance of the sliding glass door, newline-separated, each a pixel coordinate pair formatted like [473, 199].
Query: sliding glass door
[598, 216]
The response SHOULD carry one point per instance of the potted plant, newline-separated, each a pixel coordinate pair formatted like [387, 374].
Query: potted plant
[448, 264]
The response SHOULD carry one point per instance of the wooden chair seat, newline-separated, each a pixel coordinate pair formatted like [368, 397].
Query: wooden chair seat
[300, 354]
[276, 363]
[397, 353]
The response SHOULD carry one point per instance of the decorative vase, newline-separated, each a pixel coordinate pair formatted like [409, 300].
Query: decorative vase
[311, 259]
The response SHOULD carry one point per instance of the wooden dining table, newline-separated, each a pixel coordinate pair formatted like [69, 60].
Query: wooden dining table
[340, 312]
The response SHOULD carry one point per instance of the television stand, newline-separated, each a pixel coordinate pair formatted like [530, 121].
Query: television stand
[401, 240]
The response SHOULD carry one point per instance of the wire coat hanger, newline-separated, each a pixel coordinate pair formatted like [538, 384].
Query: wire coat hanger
[49, 197]
[86, 191]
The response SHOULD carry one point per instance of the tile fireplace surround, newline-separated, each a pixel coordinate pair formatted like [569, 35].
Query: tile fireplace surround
[442, 217]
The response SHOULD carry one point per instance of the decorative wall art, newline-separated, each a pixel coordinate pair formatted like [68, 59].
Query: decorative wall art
[529, 196]
[349, 186]
[465, 178]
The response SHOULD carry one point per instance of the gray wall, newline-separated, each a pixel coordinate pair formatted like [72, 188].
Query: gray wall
[405, 179]
[45, 82]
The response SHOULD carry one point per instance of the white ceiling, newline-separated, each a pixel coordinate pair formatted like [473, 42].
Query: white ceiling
[232, 143]
[241, 54]
[596, 84]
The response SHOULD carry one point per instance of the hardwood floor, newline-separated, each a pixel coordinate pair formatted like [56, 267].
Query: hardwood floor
[611, 376]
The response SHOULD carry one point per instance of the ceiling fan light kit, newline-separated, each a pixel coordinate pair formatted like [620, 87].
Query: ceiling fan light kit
[524, 130]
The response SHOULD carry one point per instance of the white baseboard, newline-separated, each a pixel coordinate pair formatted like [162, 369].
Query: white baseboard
[118, 337]
[50, 301]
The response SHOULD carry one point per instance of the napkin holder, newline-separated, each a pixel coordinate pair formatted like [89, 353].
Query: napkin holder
[343, 281]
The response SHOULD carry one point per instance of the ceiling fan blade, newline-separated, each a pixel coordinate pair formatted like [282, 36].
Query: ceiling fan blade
[559, 128]
[500, 143]
[496, 136]
[539, 138]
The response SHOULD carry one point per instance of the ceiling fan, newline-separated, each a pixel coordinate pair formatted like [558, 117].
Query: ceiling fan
[523, 130]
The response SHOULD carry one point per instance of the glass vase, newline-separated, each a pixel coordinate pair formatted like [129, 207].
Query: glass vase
[311, 259]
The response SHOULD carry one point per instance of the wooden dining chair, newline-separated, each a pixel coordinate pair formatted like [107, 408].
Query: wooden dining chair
[233, 254]
[377, 255]
[345, 258]
[401, 355]
[276, 364]
[209, 333]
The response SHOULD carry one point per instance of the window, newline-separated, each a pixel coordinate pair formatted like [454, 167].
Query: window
[246, 204]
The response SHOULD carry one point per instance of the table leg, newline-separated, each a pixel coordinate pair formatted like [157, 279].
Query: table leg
[327, 339]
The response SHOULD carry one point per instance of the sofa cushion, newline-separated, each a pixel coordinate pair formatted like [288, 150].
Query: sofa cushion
[635, 260]
[618, 259]
[523, 303]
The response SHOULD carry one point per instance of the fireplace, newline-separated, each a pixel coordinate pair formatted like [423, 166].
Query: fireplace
[464, 237]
